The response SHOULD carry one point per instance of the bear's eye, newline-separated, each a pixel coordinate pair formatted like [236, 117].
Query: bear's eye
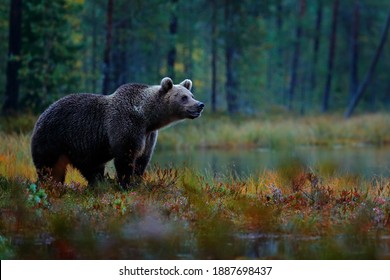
[184, 98]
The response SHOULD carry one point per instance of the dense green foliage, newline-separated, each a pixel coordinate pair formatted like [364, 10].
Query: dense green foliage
[63, 43]
[51, 42]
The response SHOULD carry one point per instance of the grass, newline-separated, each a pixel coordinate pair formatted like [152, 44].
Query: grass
[174, 213]
[226, 133]
[177, 213]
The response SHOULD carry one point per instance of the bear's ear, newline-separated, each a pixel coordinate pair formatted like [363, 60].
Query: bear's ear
[166, 84]
[187, 84]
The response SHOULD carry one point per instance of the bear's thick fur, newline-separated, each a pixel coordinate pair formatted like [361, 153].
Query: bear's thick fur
[88, 130]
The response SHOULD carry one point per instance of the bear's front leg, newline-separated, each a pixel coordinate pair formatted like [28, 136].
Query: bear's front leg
[93, 174]
[142, 162]
[125, 151]
[124, 166]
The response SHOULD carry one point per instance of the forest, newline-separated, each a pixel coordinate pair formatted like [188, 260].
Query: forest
[289, 160]
[245, 57]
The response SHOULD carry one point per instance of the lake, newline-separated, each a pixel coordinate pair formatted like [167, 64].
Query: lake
[362, 161]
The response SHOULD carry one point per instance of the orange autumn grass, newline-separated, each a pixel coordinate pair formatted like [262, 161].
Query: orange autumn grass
[15, 159]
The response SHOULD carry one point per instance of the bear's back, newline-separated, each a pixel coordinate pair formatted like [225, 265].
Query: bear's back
[73, 110]
[74, 123]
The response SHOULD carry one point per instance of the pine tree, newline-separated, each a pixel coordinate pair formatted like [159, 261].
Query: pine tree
[49, 52]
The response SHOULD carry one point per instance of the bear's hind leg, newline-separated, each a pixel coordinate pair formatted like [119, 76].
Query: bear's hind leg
[56, 172]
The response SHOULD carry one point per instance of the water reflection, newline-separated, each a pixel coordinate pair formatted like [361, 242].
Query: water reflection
[273, 246]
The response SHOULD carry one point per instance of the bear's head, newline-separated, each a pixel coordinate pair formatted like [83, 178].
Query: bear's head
[180, 102]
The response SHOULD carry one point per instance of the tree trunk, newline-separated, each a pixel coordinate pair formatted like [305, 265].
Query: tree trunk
[303, 89]
[214, 57]
[354, 48]
[280, 69]
[12, 82]
[189, 50]
[362, 87]
[231, 55]
[316, 46]
[94, 46]
[332, 48]
[107, 50]
[171, 59]
[296, 55]
[231, 81]
[270, 74]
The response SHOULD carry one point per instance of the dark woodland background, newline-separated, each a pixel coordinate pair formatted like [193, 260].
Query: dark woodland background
[244, 57]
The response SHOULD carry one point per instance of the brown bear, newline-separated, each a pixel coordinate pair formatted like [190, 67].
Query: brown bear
[88, 130]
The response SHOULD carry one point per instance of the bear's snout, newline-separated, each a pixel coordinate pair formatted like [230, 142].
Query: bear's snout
[195, 110]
